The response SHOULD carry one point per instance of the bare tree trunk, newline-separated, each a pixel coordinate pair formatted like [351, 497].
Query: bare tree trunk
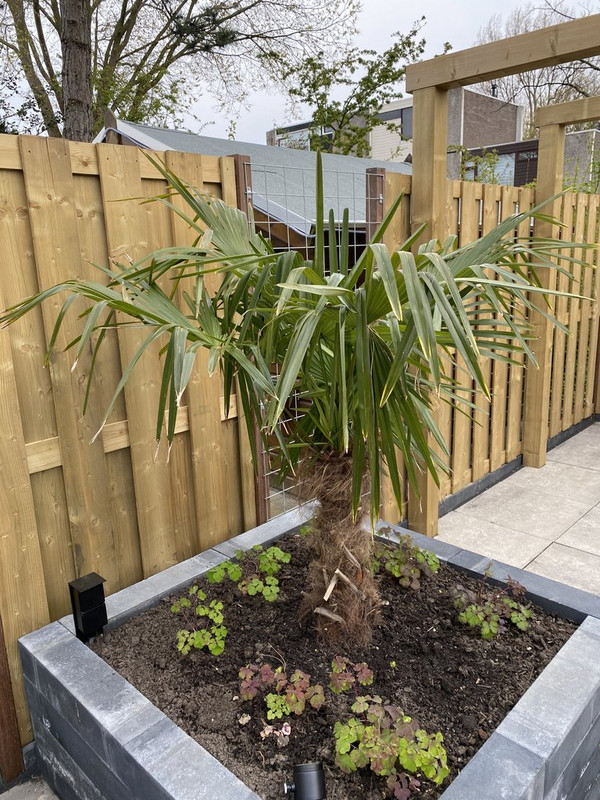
[25, 50]
[76, 41]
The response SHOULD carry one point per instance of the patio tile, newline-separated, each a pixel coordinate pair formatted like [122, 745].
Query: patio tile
[569, 565]
[585, 533]
[509, 546]
[583, 450]
[567, 481]
[536, 512]
[35, 789]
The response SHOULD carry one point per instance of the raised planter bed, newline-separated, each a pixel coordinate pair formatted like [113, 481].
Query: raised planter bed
[98, 737]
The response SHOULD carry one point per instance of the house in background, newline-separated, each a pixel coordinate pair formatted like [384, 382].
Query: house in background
[515, 163]
[474, 120]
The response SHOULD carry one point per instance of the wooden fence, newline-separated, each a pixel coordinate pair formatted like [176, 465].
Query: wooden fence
[117, 506]
[482, 440]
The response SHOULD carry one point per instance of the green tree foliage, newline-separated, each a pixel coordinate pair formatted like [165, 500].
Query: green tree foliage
[148, 56]
[368, 80]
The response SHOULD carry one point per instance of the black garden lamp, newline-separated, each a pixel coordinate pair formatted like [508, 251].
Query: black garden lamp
[309, 782]
[89, 608]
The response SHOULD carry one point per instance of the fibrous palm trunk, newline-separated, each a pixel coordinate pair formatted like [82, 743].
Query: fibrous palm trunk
[342, 594]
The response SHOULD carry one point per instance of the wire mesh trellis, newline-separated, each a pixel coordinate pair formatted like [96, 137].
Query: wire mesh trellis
[283, 204]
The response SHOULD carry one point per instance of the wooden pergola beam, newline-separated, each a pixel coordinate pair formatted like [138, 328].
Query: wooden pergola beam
[585, 110]
[558, 44]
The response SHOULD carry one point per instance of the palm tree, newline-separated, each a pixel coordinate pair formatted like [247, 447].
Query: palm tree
[365, 347]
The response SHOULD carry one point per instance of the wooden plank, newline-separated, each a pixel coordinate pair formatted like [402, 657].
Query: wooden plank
[585, 289]
[560, 338]
[447, 412]
[592, 383]
[235, 510]
[557, 44]
[178, 455]
[253, 497]
[107, 373]
[49, 187]
[28, 345]
[204, 394]
[11, 758]
[397, 232]
[430, 119]
[537, 384]
[463, 416]
[516, 371]
[126, 234]
[23, 604]
[587, 109]
[499, 388]
[574, 350]
[44, 454]
[481, 416]
[10, 155]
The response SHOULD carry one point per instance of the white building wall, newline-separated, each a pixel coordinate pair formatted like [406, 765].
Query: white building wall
[388, 145]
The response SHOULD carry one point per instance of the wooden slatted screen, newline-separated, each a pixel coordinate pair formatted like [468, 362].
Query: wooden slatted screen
[116, 506]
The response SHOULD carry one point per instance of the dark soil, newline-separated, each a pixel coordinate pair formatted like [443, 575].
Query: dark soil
[445, 676]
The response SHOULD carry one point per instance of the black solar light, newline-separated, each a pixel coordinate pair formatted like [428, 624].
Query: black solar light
[309, 782]
[89, 608]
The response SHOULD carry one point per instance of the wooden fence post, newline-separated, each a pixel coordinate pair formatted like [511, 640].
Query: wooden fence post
[537, 382]
[11, 758]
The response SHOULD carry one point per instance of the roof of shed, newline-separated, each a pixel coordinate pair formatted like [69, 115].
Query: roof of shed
[283, 179]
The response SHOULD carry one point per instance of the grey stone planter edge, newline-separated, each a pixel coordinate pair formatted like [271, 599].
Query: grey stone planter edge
[98, 737]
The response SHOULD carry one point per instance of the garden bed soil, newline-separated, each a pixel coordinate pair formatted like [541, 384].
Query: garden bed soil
[440, 673]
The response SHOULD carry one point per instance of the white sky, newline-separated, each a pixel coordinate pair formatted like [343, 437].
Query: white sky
[455, 21]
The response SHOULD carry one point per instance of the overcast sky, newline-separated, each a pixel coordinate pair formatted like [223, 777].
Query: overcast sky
[454, 21]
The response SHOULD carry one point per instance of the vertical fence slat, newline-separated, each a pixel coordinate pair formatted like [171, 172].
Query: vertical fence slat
[11, 759]
[179, 470]
[28, 345]
[50, 194]
[126, 235]
[23, 604]
[107, 372]
[560, 338]
[516, 370]
[481, 428]
[396, 233]
[584, 325]
[574, 320]
[499, 386]
[204, 394]
[593, 256]
[254, 484]
[463, 417]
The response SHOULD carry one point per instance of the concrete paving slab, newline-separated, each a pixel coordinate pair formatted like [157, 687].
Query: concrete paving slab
[35, 789]
[585, 533]
[583, 450]
[569, 565]
[503, 544]
[537, 513]
[566, 481]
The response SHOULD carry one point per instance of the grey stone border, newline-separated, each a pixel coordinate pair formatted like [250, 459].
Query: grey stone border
[100, 739]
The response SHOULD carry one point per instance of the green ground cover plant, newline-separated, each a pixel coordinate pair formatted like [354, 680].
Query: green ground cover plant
[204, 623]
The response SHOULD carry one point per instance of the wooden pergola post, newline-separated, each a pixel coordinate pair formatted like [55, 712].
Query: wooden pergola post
[537, 381]
[430, 116]
[429, 82]
[552, 122]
